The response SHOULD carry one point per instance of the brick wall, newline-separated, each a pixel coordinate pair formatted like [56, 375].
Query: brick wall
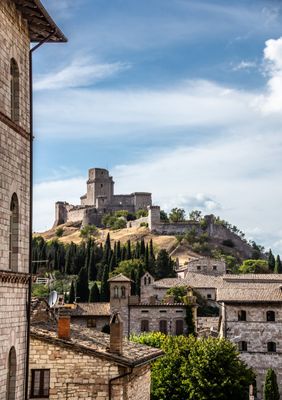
[77, 375]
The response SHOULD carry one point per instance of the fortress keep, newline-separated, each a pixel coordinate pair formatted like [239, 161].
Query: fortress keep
[99, 200]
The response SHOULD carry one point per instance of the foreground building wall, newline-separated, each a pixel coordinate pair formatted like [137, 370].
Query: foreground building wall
[14, 199]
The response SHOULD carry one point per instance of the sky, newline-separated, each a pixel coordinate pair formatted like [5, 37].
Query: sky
[182, 98]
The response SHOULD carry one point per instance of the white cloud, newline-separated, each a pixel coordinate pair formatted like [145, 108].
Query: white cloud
[244, 65]
[81, 72]
[271, 101]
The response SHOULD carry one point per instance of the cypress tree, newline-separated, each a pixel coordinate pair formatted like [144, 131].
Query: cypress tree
[142, 248]
[271, 391]
[92, 269]
[94, 296]
[105, 287]
[151, 249]
[271, 261]
[123, 253]
[133, 283]
[118, 252]
[72, 294]
[278, 265]
[82, 289]
[164, 265]
[128, 250]
[146, 257]
[137, 250]
[113, 263]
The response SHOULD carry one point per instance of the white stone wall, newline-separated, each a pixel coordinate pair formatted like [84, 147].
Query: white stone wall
[14, 178]
[75, 375]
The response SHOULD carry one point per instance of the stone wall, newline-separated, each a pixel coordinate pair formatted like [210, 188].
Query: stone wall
[207, 322]
[99, 321]
[137, 222]
[14, 178]
[256, 331]
[75, 375]
[207, 265]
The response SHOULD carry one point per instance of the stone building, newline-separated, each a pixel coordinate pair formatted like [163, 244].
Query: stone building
[203, 265]
[21, 22]
[100, 199]
[91, 315]
[74, 362]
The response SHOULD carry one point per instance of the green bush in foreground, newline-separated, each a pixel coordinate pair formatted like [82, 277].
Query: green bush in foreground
[197, 369]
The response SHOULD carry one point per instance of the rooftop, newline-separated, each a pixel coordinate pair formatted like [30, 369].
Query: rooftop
[91, 341]
[249, 294]
[119, 278]
[91, 309]
[40, 24]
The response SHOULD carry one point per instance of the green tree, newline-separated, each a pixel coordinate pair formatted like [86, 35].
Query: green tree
[271, 391]
[164, 216]
[278, 265]
[92, 268]
[254, 267]
[141, 213]
[94, 296]
[197, 369]
[164, 265]
[59, 232]
[271, 261]
[177, 215]
[88, 231]
[127, 266]
[82, 289]
[195, 215]
[105, 287]
[72, 293]
[178, 292]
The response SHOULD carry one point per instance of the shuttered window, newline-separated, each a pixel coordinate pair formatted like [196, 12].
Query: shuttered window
[40, 383]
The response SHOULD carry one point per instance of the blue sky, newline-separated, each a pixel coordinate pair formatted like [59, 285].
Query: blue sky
[181, 98]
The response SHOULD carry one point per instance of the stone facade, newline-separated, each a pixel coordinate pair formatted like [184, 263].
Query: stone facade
[203, 265]
[100, 199]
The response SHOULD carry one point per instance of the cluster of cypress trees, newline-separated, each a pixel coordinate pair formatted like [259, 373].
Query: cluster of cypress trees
[94, 262]
[275, 265]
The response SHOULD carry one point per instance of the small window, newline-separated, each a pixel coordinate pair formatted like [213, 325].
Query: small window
[149, 281]
[198, 267]
[163, 326]
[243, 346]
[162, 311]
[271, 347]
[15, 90]
[209, 296]
[270, 316]
[40, 383]
[144, 325]
[123, 292]
[214, 267]
[115, 292]
[145, 281]
[144, 311]
[91, 323]
[179, 327]
[102, 185]
[242, 315]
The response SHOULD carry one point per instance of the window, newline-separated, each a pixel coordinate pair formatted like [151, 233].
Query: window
[101, 185]
[243, 346]
[162, 311]
[144, 311]
[145, 281]
[271, 347]
[163, 326]
[40, 383]
[242, 315]
[198, 267]
[115, 292]
[123, 292]
[15, 90]
[149, 281]
[270, 316]
[144, 325]
[14, 233]
[209, 296]
[11, 378]
[179, 327]
[214, 267]
[91, 323]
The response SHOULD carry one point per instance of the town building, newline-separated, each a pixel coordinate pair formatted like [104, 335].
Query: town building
[99, 200]
[75, 362]
[203, 265]
[21, 22]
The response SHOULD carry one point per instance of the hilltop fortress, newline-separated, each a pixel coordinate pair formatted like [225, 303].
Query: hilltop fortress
[99, 200]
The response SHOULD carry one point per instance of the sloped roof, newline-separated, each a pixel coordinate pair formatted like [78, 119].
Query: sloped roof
[276, 278]
[91, 309]
[91, 341]
[119, 278]
[250, 294]
[193, 279]
[40, 24]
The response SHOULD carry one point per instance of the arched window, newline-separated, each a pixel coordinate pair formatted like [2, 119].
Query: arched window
[14, 233]
[243, 346]
[15, 90]
[11, 377]
[145, 281]
[144, 325]
[271, 347]
[115, 292]
[163, 326]
[270, 316]
[123, 292]
[149, 281]
[242, 315]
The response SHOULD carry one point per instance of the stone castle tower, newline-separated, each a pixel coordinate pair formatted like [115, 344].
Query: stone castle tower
[100, 188]
[17, 30]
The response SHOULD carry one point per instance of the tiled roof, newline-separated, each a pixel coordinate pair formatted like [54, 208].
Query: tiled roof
[253, 278]
[91, 309]
[237, 294]
[119, 278]
[97, 343]
[191, 279]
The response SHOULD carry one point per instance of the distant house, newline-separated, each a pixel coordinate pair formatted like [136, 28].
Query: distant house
[75, 362]
[91, 315]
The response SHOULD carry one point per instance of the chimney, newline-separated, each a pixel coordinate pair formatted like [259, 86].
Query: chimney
[116, 333]
[64, 327]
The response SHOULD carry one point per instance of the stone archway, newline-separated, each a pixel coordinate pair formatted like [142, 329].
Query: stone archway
[11, 376]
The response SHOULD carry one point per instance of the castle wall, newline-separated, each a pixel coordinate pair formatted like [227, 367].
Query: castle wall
[137, 222]
[14, 179]
[142, 200]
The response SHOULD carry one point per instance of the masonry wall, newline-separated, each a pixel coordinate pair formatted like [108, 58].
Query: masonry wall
[14, 178]
[257, 331]
[82, 321]
[76, 375]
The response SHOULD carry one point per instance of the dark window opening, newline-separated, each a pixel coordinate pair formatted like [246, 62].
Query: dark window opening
[40, 383]
[214, 267]
[144, 325]
[243, 346]
[198, 267]
[270, 316]
[242, 315]
[11, 378]
[209, 296]
[179, 327]
[163, 326]
[271, 347]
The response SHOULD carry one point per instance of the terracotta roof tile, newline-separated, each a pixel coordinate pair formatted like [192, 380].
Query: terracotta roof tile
[91, 309]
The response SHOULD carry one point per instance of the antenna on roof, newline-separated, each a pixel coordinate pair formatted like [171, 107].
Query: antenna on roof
[52, 298]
